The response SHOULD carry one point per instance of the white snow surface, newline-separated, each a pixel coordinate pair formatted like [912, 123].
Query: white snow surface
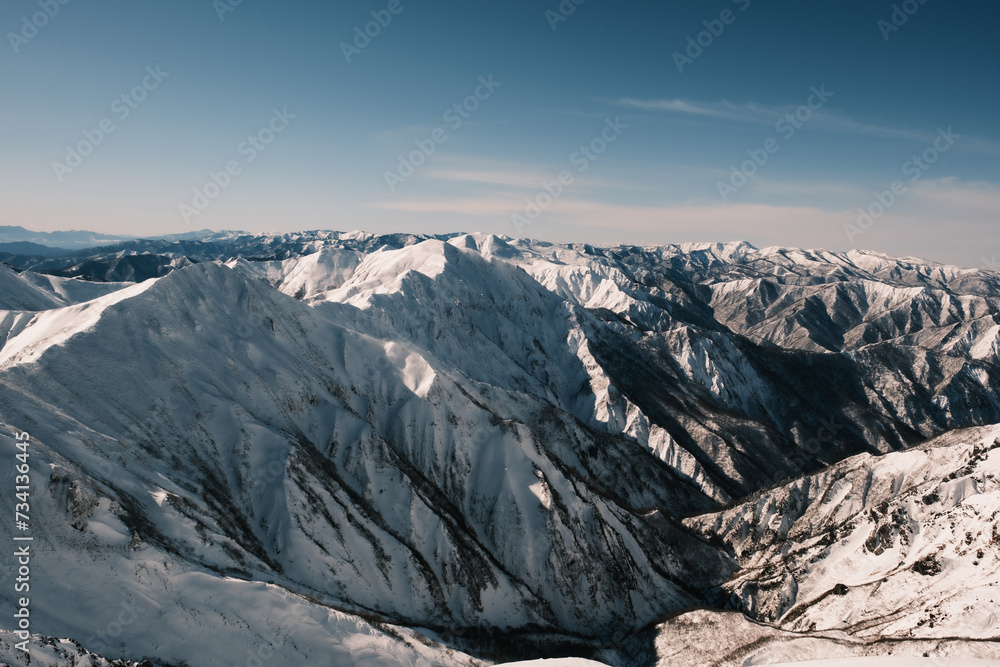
[892, 662]
[217, 383]
[555, 662]
[903, 545]
[283, 455]
[34, 291]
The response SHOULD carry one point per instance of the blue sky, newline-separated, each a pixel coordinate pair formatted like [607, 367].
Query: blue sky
[600, 122]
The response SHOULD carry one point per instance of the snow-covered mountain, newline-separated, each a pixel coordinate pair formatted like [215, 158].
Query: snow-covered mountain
[903, 545]
[70, 240]
[472, 448]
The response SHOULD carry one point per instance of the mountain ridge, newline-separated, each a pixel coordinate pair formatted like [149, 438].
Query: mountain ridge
[483, 437]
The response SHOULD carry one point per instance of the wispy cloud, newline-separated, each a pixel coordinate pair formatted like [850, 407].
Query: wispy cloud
[750, 113]
[935, 220]
[768, 187]
[967, 201]
[501, 205]
[523, 178]
[723, 110]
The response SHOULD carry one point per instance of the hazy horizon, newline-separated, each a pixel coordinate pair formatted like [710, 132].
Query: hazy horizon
[563, 121]
[990, 263]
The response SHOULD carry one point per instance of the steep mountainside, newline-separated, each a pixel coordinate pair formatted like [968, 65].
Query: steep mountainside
[495, 442]
[903, 545]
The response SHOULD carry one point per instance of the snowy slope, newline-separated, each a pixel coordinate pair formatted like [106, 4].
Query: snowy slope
[18, 294]
[636, 320]
[335, 465]
[897, 662]
[72, 291]
[494, 441]
[29, 291]
[705, 638]
[555, 662]
[906, 545]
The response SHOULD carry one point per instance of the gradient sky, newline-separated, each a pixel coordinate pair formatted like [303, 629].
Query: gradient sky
[658, 182]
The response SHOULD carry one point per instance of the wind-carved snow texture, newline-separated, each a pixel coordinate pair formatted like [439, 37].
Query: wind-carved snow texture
[906, 545]
[309, 444]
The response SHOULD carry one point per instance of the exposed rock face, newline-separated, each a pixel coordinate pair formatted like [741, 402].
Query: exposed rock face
[902, 545]
[482, 436]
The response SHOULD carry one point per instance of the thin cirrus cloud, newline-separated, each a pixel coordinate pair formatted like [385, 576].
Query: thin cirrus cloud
[732, 221]
[767, 187]
[968, 207]
[976, 202]
[756, 114]
[514, 178]
[500, 205]
[526, 178]
[602, 222]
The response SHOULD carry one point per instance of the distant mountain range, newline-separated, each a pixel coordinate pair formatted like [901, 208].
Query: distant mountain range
[12, 239]
[348, 448]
